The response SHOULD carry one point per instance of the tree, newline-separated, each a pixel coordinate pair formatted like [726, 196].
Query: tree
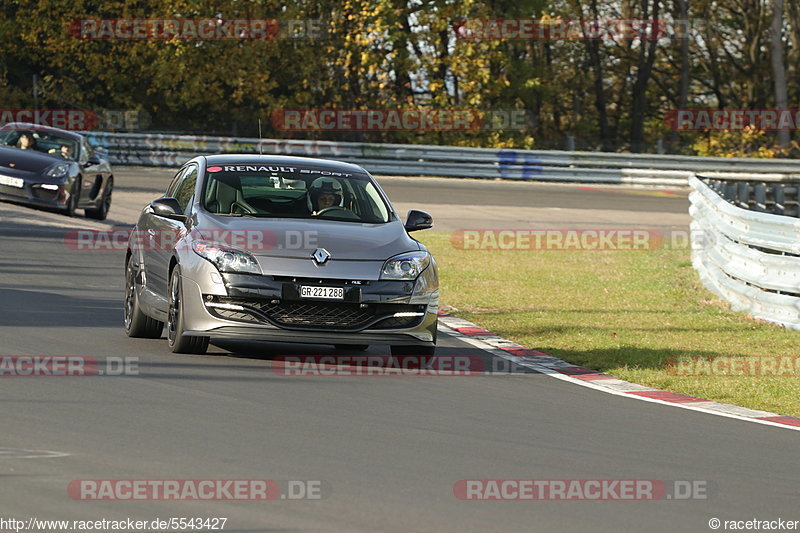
[778, 69]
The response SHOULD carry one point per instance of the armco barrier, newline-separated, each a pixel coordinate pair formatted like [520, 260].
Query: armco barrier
[447, 161]
[749, 258]
[766, 193]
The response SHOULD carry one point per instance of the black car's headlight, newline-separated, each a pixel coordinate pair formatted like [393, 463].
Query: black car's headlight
[227, 259]
[58, 170]
[405, 266]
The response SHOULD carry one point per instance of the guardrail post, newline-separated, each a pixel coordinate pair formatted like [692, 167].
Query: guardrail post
[779, 207]
[760, 191]
[743, 195]
[730, 192]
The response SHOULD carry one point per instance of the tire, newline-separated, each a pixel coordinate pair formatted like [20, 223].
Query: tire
[178, 342]
[137, 324]
[351, 347]
[413, 349]
[72, 203]
[101, 213]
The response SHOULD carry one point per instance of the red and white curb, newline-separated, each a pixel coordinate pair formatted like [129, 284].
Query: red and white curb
[586, 377]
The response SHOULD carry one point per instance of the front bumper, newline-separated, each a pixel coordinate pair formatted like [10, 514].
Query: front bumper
[36, 194]
[270, 308]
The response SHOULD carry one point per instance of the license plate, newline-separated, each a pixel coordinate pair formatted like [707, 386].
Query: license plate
[10, 181]
[328, 293]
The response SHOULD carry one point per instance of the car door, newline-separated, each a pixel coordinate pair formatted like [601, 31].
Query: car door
[148, 228]
[165, 232]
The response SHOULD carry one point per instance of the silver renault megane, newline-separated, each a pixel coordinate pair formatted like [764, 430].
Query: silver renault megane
[288, 249]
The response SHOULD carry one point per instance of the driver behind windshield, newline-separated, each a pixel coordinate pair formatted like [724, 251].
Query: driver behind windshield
[324, 193]
[65, 151]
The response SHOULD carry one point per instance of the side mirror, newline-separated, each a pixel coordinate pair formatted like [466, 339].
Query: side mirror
[418, 220]
[168, 207]
[92, 161]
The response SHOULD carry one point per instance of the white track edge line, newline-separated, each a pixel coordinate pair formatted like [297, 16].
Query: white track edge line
[522, 361]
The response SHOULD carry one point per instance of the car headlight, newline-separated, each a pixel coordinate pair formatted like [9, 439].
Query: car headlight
[227, 259]
[405, 266]
[58, 171]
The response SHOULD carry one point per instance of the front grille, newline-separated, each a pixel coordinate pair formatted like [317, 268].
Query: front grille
[319, 315]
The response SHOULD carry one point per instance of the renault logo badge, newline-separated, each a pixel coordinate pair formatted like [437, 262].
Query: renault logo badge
[321, 256]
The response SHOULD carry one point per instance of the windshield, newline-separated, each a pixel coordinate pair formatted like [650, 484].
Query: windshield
[47, 142]
[293, 192]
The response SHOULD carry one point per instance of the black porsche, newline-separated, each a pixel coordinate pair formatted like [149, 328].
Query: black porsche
[53, 168]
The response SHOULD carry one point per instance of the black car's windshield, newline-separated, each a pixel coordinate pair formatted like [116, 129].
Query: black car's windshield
[282, 191]
[47, 142]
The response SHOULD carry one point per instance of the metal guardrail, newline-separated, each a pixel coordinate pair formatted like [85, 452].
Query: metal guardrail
[446, 161]
[749, 258]
[766, 197]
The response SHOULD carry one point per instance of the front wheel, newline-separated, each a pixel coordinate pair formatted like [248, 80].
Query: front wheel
[101, 212]
[72, 202]
[178, 342]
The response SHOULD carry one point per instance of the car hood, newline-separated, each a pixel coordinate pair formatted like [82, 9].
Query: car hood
[26, 160]
[299, 238]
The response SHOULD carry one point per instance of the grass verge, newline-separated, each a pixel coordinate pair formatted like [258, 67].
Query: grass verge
[621, 312]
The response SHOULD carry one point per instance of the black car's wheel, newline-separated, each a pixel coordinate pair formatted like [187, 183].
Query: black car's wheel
[178, 342]
[72, 202]
[137, 324]
[413, 350]
[101, 212]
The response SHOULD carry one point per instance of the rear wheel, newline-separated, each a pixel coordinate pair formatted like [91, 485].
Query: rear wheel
[137, 324]
[101, 212]
[351, 347]
[178, 342]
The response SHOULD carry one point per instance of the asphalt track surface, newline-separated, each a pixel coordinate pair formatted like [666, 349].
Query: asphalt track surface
[388, 451]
